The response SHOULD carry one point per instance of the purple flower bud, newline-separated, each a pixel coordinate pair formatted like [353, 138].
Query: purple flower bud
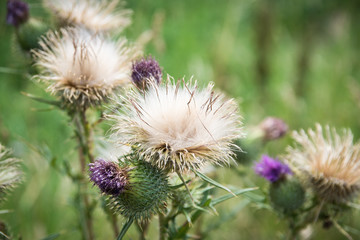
[108, 176]
[17, 12]
[143, 69]
[271, 169]
[273, 128]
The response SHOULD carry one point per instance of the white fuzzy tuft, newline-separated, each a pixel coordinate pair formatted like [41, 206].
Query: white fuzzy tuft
[177, 126]
[331, 163]
[82, 66]
[97, 16]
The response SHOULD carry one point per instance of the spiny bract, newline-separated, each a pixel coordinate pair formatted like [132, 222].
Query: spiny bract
[146, 191]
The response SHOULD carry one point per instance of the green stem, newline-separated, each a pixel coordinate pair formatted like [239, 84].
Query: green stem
[125, 228]
[85, 156]
[162, 226]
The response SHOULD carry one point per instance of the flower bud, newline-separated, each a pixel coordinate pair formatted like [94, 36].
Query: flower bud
[287, 195]
[145, 69]
[145, 193]
[273, 128]
[29, 33]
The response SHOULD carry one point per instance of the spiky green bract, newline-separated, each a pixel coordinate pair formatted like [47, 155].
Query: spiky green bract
[146, 192]
[287, 195]
[10, 174]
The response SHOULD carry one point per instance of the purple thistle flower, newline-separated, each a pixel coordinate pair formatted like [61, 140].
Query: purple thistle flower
[108, 176]
[144, 69]
[274, 128]
[17, 12]
[271, 169]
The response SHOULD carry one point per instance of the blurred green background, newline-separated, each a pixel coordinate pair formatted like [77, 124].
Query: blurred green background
[297, 60]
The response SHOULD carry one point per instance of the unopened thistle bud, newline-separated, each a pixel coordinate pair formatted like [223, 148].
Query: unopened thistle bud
[273, 128]
[287, 195]
[108, 176]
[145, 69]
[29, 34]
[17, 12]
[137, 189]
[271, 169]
[10, 175]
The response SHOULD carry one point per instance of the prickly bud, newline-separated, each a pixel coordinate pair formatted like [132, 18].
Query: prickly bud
[146, 192]
[287, 195]
[29, 34]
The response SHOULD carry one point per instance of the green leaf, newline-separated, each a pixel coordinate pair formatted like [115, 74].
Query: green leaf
[42, 100]
[52, 236]
[125, 228]
[229, 196]
[212, 182]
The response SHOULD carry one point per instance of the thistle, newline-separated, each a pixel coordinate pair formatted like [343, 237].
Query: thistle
[17, 12]
[273, 128]
[108, 176]
[83, 68]
[136, 189]
[330, 163]
[143, 70]
[271, 169]
[10, 175]
[96, 16]
[286, 194]
[178, 127]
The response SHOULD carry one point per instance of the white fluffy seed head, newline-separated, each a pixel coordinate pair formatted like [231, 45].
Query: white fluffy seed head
[83, 67]
[177, 126]
[97, 16]
[329, 162]
[10, 173]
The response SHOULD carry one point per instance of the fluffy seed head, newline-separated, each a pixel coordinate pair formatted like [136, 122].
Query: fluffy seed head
[81, 67]
[96, 16]
[329, 162]
[17, 12]
[146, 192]
[178, 126]
[143, 70]
[271, 169]
[273, 128]
[10, 175]
[108, 176]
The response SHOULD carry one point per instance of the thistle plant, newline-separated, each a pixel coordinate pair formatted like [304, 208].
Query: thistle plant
[173, 130]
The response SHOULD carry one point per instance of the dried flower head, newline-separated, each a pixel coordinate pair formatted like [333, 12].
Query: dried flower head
[143, 70]
[330, 163]
[271, 169]
[97, 16]
[178, 126]
[17, 12]
[108, 176]
[10, 173]
[82, 67]
[273, 128]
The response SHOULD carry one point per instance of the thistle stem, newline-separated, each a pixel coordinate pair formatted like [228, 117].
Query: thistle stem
[83, 133]
[162, 226]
